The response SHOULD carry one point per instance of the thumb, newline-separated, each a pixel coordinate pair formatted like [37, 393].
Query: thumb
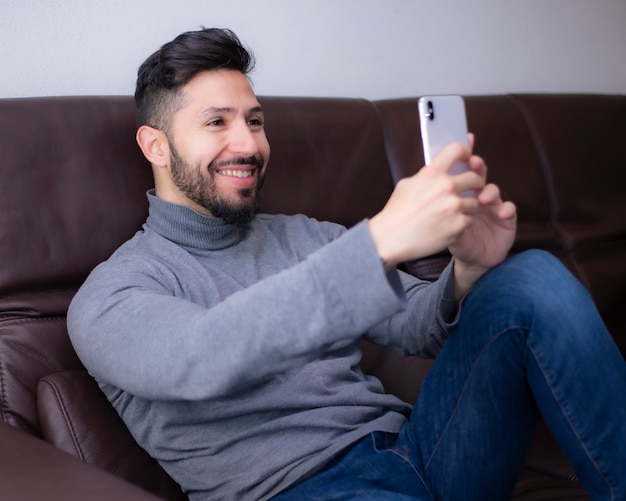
[451, 154]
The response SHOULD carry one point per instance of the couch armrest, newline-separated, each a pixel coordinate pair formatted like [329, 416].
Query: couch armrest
[31, 469]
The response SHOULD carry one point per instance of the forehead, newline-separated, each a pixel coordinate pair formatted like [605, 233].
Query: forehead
[218, 89]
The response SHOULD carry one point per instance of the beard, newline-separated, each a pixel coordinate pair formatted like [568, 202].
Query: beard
[202, 189]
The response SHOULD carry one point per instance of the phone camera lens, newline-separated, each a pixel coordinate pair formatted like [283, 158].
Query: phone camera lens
[430, 111]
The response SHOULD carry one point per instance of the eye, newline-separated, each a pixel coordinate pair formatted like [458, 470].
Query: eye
[216, 122]
[255, 122]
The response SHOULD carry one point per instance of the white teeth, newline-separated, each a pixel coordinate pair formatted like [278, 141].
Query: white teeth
[236, 173]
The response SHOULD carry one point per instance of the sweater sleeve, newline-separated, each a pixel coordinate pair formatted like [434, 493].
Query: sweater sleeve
[130, 331]
[421, 328]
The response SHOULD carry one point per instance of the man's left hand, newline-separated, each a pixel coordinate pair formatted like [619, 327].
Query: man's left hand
[487, 240]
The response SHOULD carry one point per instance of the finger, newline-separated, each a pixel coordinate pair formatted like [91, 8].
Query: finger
[470, 141]
[451, 154]
[470, 206]
[478, 165]
[489, 195]
[470, 180]
[508, 211]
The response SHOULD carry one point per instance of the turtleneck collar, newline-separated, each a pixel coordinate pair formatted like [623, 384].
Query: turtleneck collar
[188, 228]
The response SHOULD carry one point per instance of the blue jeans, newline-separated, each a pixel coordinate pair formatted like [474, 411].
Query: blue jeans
[529, 342]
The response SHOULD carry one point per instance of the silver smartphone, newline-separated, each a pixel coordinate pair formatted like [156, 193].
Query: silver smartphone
[442, 122]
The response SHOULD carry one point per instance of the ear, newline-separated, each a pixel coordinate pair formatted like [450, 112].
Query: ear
[154, 145]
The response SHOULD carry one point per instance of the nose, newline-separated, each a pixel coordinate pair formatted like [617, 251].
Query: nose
[243, 140]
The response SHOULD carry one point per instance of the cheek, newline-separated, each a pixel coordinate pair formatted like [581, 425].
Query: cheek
[264, 148]
[203, 150]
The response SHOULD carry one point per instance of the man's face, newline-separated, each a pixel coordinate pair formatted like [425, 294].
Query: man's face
[219, 151]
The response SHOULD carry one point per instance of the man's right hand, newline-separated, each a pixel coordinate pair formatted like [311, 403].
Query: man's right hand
[425, 212]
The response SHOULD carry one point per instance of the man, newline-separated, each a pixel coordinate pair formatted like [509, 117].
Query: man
[229, 342]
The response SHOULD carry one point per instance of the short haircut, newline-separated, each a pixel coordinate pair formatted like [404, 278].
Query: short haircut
[160, 79]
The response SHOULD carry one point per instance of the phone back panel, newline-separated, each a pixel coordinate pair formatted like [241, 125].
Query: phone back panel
[442, 122]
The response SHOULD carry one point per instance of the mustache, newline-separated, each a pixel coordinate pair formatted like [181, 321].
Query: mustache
[253, 160]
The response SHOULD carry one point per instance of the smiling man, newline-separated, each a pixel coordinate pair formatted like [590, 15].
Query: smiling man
[218, 160]
[229, 341]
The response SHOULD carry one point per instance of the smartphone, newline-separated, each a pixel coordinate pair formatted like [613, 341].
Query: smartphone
[442, 122]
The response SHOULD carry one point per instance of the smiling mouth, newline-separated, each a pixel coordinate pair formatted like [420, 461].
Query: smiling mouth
[236, 173]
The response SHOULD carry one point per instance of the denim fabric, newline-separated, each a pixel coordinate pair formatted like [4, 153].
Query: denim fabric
[375, 469]
[529, 342]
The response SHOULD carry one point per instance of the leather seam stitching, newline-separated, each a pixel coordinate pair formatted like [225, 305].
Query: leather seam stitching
[70, 426]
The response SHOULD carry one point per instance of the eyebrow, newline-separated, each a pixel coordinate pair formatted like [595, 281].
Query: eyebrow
[212, 110]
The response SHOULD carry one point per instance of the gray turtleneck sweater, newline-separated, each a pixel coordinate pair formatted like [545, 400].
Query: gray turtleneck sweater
[232, 353]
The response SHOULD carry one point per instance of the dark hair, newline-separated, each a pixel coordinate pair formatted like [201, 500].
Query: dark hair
[161, 77]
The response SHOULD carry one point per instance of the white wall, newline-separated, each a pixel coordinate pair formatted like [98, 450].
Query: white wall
[360, 48]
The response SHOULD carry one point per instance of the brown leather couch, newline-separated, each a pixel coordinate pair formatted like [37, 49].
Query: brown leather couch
[72, 189]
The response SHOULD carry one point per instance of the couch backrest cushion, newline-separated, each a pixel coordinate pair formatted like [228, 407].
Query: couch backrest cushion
[328, 159]
[581, 138]
[72, 191]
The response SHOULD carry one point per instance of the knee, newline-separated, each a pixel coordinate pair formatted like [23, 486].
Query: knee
[533, 292]
[534, 260]
[531, 268]
[535, 277]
